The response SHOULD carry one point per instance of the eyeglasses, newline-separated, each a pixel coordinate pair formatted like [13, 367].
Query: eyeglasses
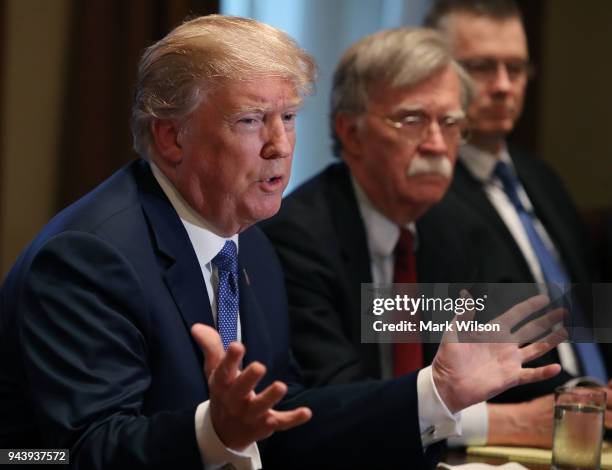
[416, 125]
[487, 69]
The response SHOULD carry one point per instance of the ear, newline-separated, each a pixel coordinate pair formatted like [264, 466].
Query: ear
[165, 134]
[348, 131]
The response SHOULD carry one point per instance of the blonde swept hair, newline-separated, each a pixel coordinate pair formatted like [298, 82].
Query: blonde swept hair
[400, 57]
[175, 73]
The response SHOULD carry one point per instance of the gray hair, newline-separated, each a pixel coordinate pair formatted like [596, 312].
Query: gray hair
[400, 57]
[175, 73]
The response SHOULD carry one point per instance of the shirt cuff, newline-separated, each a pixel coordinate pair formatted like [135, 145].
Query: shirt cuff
[474, 427]
[213, 452]
[436, 422]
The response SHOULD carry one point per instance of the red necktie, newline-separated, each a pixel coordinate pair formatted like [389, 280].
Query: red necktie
[407, 357]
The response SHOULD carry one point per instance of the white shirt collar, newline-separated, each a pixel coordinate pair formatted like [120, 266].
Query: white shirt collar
[382, 233]
[481, 163]
[205, 242]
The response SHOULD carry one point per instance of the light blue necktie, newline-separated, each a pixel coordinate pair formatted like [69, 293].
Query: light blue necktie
[228, 296]
[554, 274]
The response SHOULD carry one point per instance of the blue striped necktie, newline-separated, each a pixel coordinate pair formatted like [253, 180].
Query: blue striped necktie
[554, 274]
[228, 296]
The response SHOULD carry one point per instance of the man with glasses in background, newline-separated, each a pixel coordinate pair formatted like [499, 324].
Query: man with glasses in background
[515, 196]
[518, 196]
[398, 107]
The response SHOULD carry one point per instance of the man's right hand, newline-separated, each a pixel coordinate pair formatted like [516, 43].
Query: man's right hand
[529, 423]
[239, 415]
[472, 371]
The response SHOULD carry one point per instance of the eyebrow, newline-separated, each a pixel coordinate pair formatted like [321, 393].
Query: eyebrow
[419, 108]
[458, 114]
[408, 107]
[297, 103]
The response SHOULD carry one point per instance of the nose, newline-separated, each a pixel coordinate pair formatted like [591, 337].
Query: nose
[433, 142]
[278, 140]
[501, 82]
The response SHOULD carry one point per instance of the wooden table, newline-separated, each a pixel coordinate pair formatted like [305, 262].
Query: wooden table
[458, 457]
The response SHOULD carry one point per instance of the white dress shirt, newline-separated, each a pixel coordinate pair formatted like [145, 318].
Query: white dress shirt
[435, 420]
[206, 245]
[481, 165]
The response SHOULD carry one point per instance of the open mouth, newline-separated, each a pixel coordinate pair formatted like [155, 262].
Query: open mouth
[272, 179]
[271, 184]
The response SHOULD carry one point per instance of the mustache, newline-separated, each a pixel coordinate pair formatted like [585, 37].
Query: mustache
[439, 164]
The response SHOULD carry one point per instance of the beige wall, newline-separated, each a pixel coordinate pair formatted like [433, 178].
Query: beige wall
[576, 106]
[32, 97]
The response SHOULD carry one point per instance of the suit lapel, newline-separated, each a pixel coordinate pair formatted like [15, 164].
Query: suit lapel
[354, 250]
[349, 226]
[538, 195]
[252, 321]
[183, 275]
[547, 211]
[469, 190]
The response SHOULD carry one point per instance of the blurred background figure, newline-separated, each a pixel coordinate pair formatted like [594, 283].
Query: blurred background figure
[500, 183]
[516, 195]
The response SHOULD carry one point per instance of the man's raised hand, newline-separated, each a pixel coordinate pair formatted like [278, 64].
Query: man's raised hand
[476, 369]
[239, 415]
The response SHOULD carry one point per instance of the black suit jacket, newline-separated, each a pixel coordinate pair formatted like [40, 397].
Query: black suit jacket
[97, 355]
[321, 240]
[552, 205]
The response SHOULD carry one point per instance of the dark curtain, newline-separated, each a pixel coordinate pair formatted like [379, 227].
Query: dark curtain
[526, 132]
[107, 38]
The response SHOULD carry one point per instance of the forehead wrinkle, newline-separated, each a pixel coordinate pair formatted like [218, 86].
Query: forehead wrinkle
[262, 106]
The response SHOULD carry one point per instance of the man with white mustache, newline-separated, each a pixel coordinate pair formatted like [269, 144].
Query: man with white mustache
[397, 117]
[438, 164]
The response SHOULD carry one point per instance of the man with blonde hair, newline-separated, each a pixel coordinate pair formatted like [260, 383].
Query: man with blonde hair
[106, 314]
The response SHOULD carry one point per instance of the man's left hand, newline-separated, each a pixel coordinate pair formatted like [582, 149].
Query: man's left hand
[239, 415]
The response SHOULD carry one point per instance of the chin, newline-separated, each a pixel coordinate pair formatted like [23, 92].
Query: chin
[264, 211]
[501, 126]
[427, 197]
[430, 186]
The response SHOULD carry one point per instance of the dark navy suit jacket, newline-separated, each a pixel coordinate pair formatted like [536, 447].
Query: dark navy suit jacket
[96, 353]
